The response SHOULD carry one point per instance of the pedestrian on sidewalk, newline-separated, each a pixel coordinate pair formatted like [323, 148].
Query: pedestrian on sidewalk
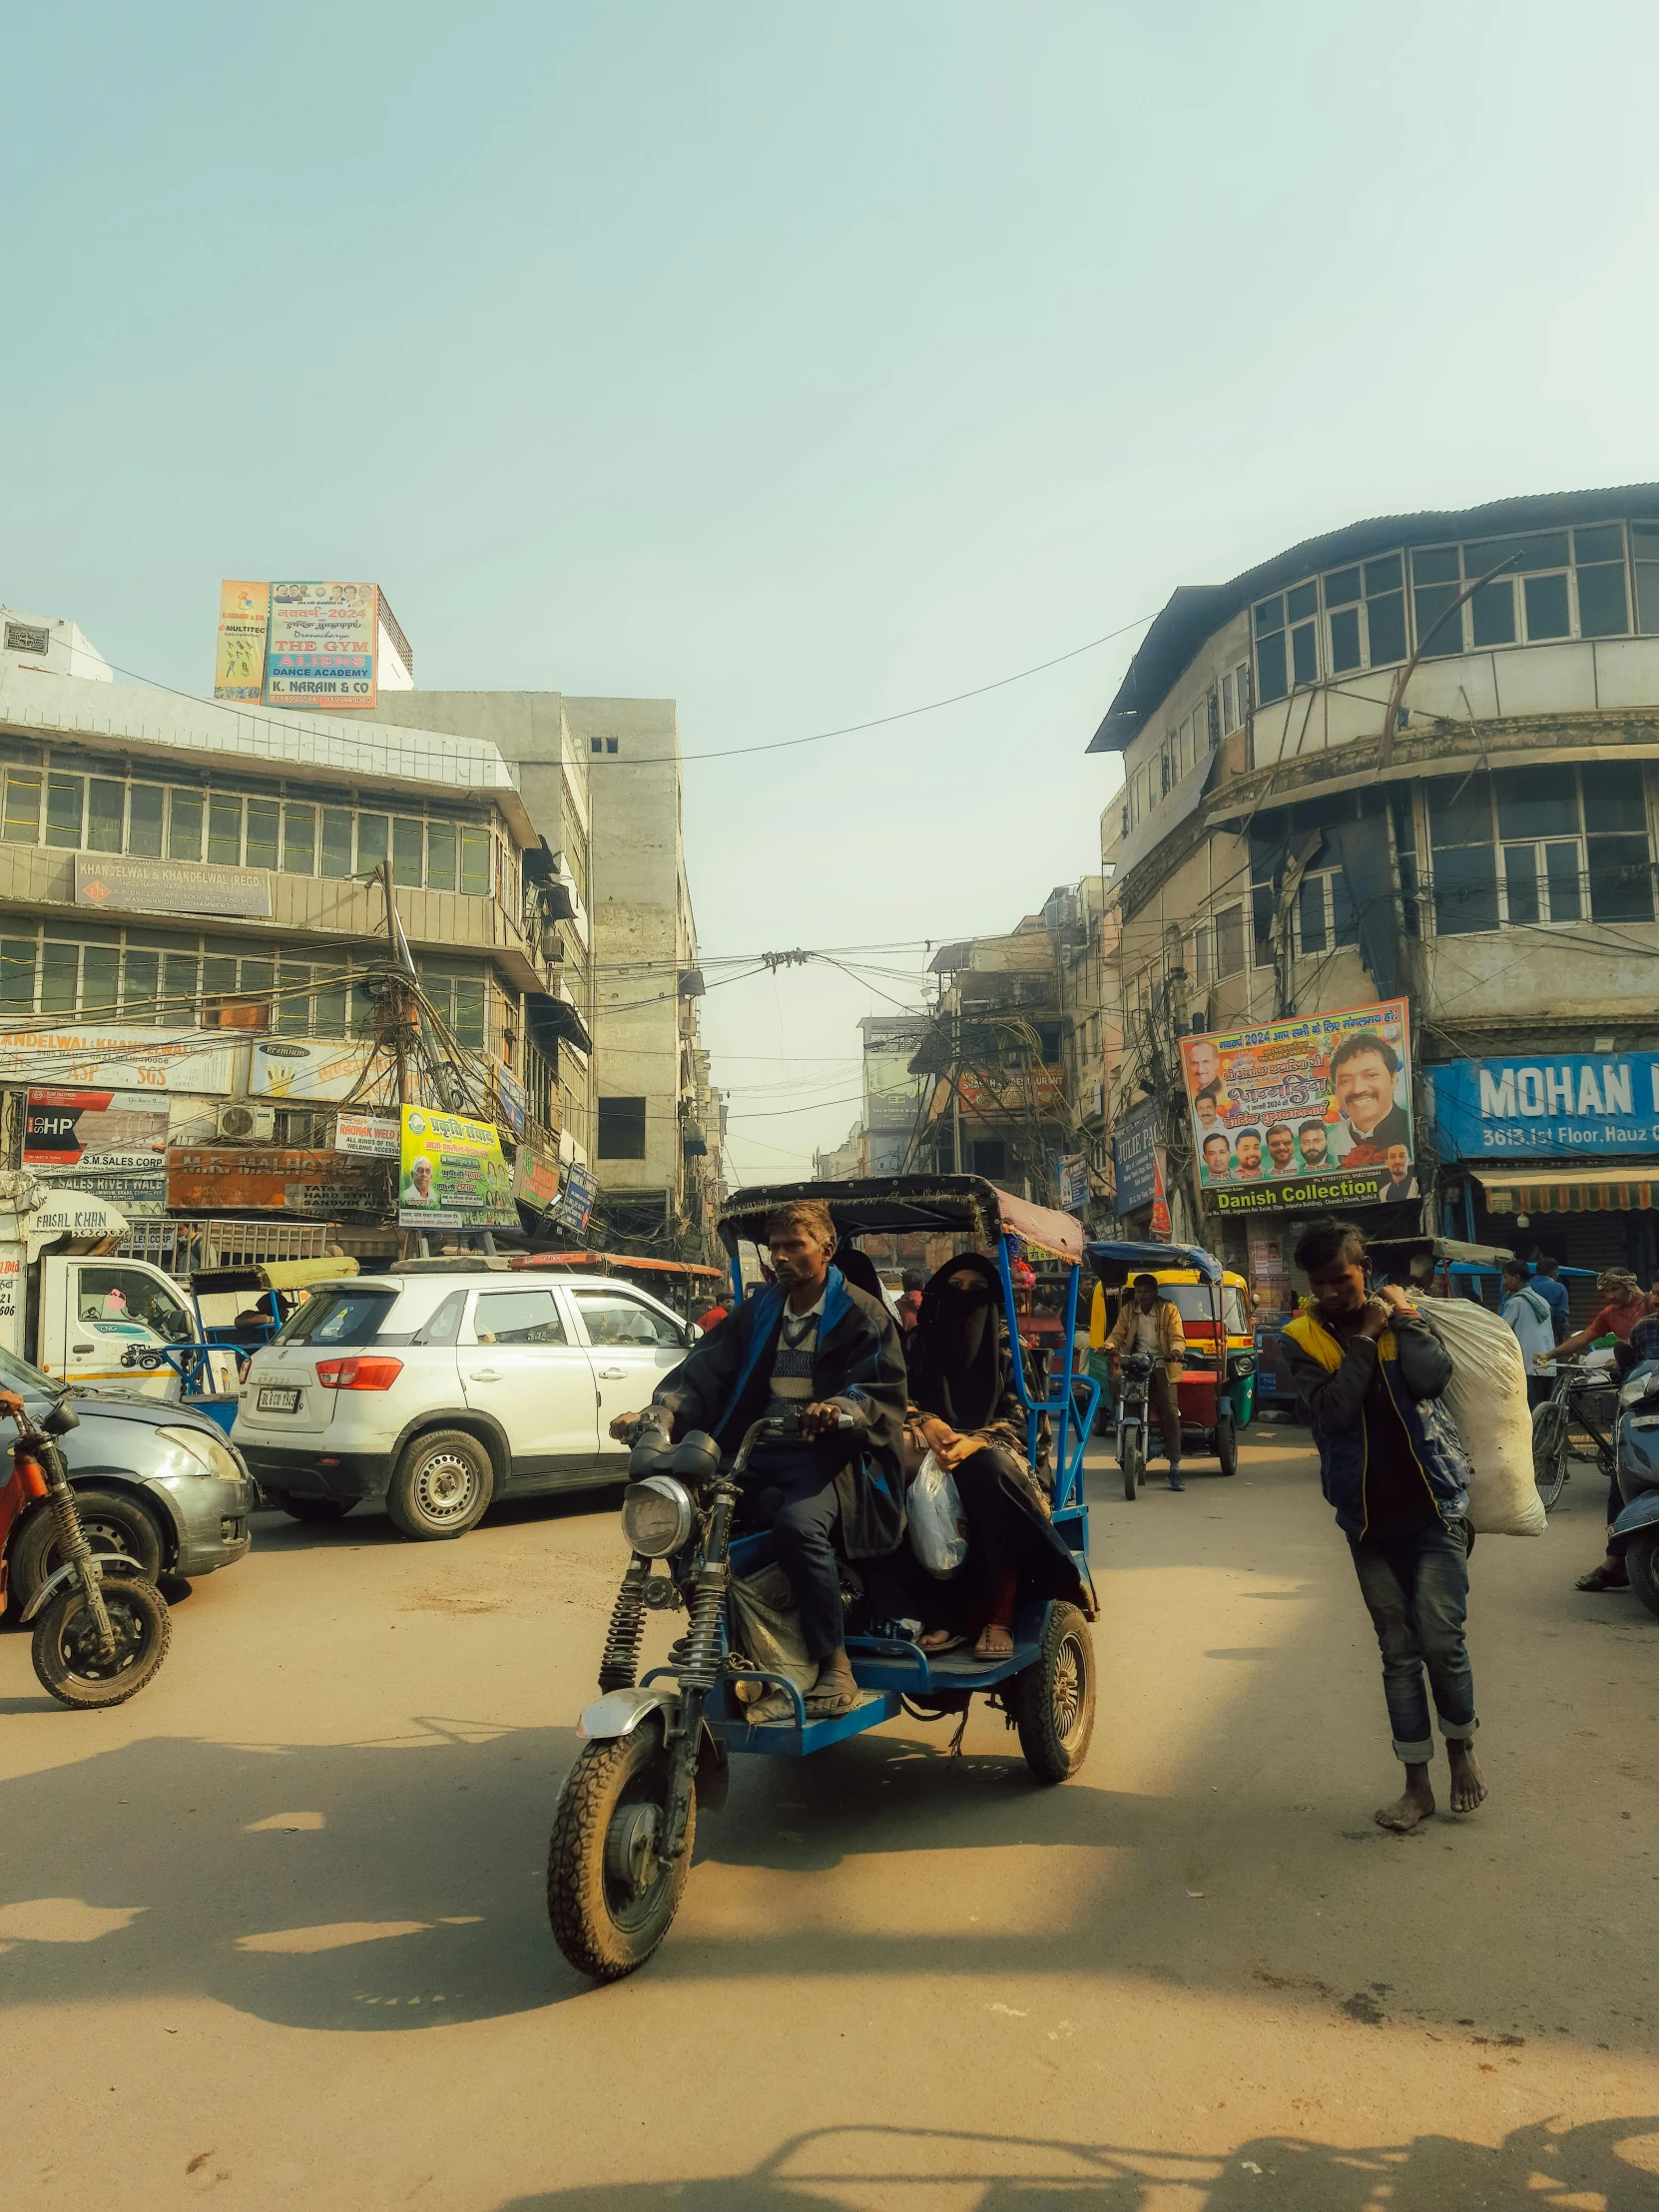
[1149, 1323]
[1370, 1373]
[1529, 1317]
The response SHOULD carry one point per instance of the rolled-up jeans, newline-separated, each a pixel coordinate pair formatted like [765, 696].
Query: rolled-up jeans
[1417, 1591]
[791, 1490]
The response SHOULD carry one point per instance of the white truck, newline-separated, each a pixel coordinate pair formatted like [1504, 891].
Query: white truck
[81, 1314]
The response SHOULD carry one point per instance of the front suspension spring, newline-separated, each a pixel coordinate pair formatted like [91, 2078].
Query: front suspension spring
[72, 1542]
[621, 1660]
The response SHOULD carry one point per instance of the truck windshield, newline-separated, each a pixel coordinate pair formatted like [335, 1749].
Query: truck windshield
[337, 1317]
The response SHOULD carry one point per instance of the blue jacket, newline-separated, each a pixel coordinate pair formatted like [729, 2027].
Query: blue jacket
[1332, 1382]
[725, 1382]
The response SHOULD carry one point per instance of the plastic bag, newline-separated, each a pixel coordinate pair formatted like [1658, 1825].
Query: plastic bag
[938, 1530]
[1486, 1398]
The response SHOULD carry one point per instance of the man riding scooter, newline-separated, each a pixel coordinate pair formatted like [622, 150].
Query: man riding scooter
[813, 1349]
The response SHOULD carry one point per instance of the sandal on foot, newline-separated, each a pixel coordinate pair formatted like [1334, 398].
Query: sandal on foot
[938, 1640]
[989, 1657]
[1602, 1578]
[832, 1698]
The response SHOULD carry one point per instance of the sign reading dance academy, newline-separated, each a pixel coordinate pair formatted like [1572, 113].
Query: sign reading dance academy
[1312, 1111]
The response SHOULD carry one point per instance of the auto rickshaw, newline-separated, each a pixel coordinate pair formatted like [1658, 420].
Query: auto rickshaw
[1216, 1390]
[655, 1747]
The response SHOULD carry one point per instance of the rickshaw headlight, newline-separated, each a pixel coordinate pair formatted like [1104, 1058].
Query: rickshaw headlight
[1640, 1387]
[657, 1515]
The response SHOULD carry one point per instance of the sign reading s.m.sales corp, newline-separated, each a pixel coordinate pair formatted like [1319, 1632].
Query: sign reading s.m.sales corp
[1536, 1107]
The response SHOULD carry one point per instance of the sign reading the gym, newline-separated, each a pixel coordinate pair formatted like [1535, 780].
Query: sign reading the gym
[1312, 1111]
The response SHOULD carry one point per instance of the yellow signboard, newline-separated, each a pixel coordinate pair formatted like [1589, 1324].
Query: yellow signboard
[452, 1174]
[243, 618]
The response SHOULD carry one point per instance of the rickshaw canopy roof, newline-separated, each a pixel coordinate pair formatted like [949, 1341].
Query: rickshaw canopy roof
[910, 1205]
[1147, 1259]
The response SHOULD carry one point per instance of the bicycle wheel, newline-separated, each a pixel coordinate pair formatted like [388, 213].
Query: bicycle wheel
[1552, 1438]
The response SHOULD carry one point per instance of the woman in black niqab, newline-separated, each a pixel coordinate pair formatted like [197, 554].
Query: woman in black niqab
[966, 1409]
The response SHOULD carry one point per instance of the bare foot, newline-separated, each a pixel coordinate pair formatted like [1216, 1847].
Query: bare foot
[939, 1639]
[994, 1642]
[1411, 1807]
[1469, 1784]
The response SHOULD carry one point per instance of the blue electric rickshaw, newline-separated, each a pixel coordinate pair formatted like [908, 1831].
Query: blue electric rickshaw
[657, 1746]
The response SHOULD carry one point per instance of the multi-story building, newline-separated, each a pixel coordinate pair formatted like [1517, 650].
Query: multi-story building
[1416, 758]
[891, 1120]
[548, 763]
[995, 1100]
[186, 903]
[657, 1143]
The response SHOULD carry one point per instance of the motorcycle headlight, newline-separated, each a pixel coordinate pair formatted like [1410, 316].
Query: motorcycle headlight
[657, 1515]
[212, 1457]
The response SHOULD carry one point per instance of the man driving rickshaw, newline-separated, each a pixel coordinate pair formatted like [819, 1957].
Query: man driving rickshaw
[815, 1350]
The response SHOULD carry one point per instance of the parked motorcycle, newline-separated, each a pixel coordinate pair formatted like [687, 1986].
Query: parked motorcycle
[1635, 1534]
[95, 1642]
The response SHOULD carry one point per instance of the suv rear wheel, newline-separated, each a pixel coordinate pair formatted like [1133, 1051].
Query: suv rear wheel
[442, 1485]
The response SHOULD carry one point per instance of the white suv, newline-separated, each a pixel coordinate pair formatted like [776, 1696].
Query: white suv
[439, 1391]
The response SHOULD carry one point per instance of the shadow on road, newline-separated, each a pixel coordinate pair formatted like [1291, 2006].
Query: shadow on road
[367, 1885]
[1614, 2163]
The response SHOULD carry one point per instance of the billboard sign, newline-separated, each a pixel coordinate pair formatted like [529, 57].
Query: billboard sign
[452, 1174]
[576, 1201]
[315, 1073]
[1074, 1181]
[369, 1136]
[243, 618]
[1537, 1108]
[1313, 1111]
[169, 887]
[512, 1100]
[109, 1144]
[1134, 1148]
[320, 652]
[536, 1176]
[116, 1057]
[203, 1178]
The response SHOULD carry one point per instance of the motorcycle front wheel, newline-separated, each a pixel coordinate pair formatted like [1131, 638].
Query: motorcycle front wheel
[68, 1658]
[611, 1899]
[1132, 1458]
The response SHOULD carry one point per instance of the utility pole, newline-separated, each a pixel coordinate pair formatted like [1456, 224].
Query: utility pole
[956, 1091]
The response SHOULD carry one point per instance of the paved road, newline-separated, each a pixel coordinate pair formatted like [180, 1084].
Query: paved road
[273, 1933]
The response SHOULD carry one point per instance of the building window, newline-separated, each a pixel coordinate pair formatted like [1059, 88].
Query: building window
[1540, 845]
[987, 1156]
[610, 745]
[103, 814]
[621, 1129]
[1229, 941]
[595, 745]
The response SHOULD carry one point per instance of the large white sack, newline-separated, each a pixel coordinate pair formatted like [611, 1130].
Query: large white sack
[1486, 1398]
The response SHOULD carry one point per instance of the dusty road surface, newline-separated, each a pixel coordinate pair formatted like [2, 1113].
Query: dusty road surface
[273, 1933]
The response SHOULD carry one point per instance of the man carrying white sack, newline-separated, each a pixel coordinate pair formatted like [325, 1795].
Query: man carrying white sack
[1371, 1373]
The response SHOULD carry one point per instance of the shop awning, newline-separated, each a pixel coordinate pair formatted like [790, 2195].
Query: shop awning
[1613, 1189]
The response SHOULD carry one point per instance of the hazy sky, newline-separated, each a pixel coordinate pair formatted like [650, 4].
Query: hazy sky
[803, 363]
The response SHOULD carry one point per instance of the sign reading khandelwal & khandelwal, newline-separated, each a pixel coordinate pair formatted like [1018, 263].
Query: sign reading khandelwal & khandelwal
[169, 887]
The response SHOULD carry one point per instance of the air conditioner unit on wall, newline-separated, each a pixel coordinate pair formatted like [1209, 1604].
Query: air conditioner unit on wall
[248, 1124]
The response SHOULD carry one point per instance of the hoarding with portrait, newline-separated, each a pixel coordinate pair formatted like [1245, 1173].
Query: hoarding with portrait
[452, 1174]
[1312, 1112]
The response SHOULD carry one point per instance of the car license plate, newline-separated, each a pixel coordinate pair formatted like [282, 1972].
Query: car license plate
[278, 1402]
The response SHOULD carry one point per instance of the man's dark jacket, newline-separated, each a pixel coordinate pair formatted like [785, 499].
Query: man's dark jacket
[725, 1382]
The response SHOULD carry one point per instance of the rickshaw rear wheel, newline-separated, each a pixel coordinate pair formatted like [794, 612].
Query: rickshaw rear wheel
[1227, 1445]
[1053, 1699]
[1132, 1461]
[609, 1897]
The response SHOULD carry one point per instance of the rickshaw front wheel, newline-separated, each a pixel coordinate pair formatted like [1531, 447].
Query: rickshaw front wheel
[1053, 1699]
[1227, 1444]
[611, 1895]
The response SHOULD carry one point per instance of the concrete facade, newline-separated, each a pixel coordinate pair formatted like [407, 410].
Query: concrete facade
[531, 731]
[657, 1142]
[1418, 758]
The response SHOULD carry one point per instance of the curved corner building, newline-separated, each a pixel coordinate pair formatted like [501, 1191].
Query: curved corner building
[1416, 758]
